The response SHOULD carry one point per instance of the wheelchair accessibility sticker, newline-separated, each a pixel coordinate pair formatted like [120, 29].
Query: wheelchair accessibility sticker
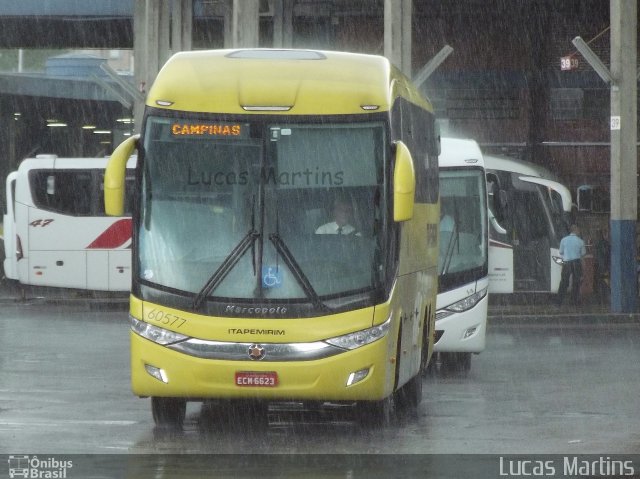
[271, 277]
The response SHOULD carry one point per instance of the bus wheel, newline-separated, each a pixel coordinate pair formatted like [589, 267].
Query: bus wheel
[168, 412]
[409, 396]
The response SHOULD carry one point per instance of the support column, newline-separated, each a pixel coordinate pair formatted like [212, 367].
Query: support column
[397, 34]
[181, 26]
[160, 28]
[245, 24]
[283, 24]
[624, 163]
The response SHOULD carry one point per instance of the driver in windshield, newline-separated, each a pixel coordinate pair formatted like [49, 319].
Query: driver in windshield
[342, 219]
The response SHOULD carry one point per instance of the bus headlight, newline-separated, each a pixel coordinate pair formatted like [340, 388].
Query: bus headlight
[468, 302]
[154, 333]
[361, 338]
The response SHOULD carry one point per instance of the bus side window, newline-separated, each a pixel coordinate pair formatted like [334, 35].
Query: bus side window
[74, 192]
[65, 192]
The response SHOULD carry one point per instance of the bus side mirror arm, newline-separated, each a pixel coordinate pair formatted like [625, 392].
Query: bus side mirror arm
[114, 176]
[404, 183]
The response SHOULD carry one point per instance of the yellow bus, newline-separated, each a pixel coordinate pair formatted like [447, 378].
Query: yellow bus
[241, 290]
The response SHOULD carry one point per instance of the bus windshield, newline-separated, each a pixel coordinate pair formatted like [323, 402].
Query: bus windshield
[262, 211]
[463, 223]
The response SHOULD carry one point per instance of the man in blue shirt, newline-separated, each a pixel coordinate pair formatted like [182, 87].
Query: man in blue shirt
[572, 249]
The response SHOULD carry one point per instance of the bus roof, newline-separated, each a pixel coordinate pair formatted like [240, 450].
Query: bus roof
[505, 163]
[296, 82]
[459, 152]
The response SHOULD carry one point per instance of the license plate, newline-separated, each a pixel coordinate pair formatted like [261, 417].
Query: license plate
[267, 379]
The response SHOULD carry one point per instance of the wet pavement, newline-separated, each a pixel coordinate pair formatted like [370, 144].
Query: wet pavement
[542, 307]
[537, 388]
[550, 382]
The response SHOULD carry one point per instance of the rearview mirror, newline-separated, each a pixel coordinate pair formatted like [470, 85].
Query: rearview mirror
[114, 176]
[404, 184]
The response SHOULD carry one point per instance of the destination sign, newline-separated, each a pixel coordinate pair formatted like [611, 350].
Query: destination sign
[221, 130]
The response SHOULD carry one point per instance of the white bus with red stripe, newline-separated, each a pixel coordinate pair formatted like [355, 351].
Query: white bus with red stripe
[528, 215]
[55, 231]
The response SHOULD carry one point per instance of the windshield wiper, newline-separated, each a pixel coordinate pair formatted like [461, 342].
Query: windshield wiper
[451, 246]
[227, 265]
[295, 268]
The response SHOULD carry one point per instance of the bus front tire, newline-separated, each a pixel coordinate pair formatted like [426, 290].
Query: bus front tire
[168, 412]
[409, 396]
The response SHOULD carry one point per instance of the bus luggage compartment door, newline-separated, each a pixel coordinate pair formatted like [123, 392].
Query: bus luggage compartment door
[109, 270]
[66, 269]
[120, 270]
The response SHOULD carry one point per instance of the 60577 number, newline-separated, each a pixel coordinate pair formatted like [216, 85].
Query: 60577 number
[168, 319]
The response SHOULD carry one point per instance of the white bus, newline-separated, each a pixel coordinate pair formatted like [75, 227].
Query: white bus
[529, 215]
[461, 315]
[55, 231]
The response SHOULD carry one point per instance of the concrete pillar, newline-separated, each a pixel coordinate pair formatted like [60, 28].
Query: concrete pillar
[160, 28]
[245, 24]
[283, 24]
[181, 26]
[624, 162]
[164, 33]
[146, 21]
[397, 34]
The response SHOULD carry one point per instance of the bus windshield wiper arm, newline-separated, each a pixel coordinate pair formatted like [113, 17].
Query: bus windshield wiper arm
[295, 268]
[451, 245]
[227, 265]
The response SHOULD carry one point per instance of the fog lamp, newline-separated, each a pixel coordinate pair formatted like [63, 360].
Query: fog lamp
[470, 332]
[157, 373]
[357, 376]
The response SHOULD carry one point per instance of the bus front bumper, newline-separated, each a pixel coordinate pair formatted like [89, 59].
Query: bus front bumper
[159, 371]
[464, 331]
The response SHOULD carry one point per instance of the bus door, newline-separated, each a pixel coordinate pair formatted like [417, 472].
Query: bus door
[500, 244]
[557, 203]
[533, 234]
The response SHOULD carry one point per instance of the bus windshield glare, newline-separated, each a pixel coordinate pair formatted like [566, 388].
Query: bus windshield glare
[246, 210]
[463, 223]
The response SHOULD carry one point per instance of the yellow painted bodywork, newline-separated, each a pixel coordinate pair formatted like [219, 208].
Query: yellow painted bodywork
[114, 177]
[212, 81]
[325, 379]
[296, 330]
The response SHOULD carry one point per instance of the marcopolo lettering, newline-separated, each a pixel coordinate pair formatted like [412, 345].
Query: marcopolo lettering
[255, 310]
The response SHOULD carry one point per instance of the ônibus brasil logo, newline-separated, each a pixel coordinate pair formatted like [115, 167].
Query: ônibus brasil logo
[34, 467]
